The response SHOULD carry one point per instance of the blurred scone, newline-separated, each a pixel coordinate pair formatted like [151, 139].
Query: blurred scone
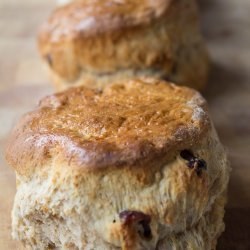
[104, 41]
[61, 2]
[135, 166]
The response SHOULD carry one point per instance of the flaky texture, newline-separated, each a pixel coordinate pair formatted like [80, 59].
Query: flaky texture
[87, 179]
[95, 43]
[65, 211]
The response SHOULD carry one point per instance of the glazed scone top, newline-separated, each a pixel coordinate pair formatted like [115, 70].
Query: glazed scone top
[137, 123]
[87, 18]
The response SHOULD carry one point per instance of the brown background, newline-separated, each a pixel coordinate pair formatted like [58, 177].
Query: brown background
[226, 27]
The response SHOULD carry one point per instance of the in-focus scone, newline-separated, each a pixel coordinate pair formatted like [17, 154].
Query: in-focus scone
[137, 165]
[98, 42]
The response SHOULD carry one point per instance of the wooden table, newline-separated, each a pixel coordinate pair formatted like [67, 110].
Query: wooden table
[23, 81]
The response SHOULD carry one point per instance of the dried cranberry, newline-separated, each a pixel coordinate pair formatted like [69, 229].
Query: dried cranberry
[49, 59]
[128, 217]
[187, 155]
[193, 161]
[146, 229]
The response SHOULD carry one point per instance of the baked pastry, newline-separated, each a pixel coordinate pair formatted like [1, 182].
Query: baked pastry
[137, 165]
[98, 42]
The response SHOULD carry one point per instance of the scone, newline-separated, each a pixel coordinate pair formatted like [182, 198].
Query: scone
[97, 42]
[135, 166]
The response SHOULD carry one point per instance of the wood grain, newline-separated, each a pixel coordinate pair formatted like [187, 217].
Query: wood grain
[23, 81]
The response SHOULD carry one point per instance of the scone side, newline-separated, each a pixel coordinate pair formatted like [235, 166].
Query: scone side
[50, 204]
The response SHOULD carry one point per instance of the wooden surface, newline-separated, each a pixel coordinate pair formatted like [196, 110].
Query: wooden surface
[226, 23]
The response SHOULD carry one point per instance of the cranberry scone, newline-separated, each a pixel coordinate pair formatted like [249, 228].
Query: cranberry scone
[135, 166]
[97, 42]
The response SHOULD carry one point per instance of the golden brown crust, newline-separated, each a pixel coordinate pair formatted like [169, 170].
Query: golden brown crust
[103, 41]
[89, 18]
[128, 124]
